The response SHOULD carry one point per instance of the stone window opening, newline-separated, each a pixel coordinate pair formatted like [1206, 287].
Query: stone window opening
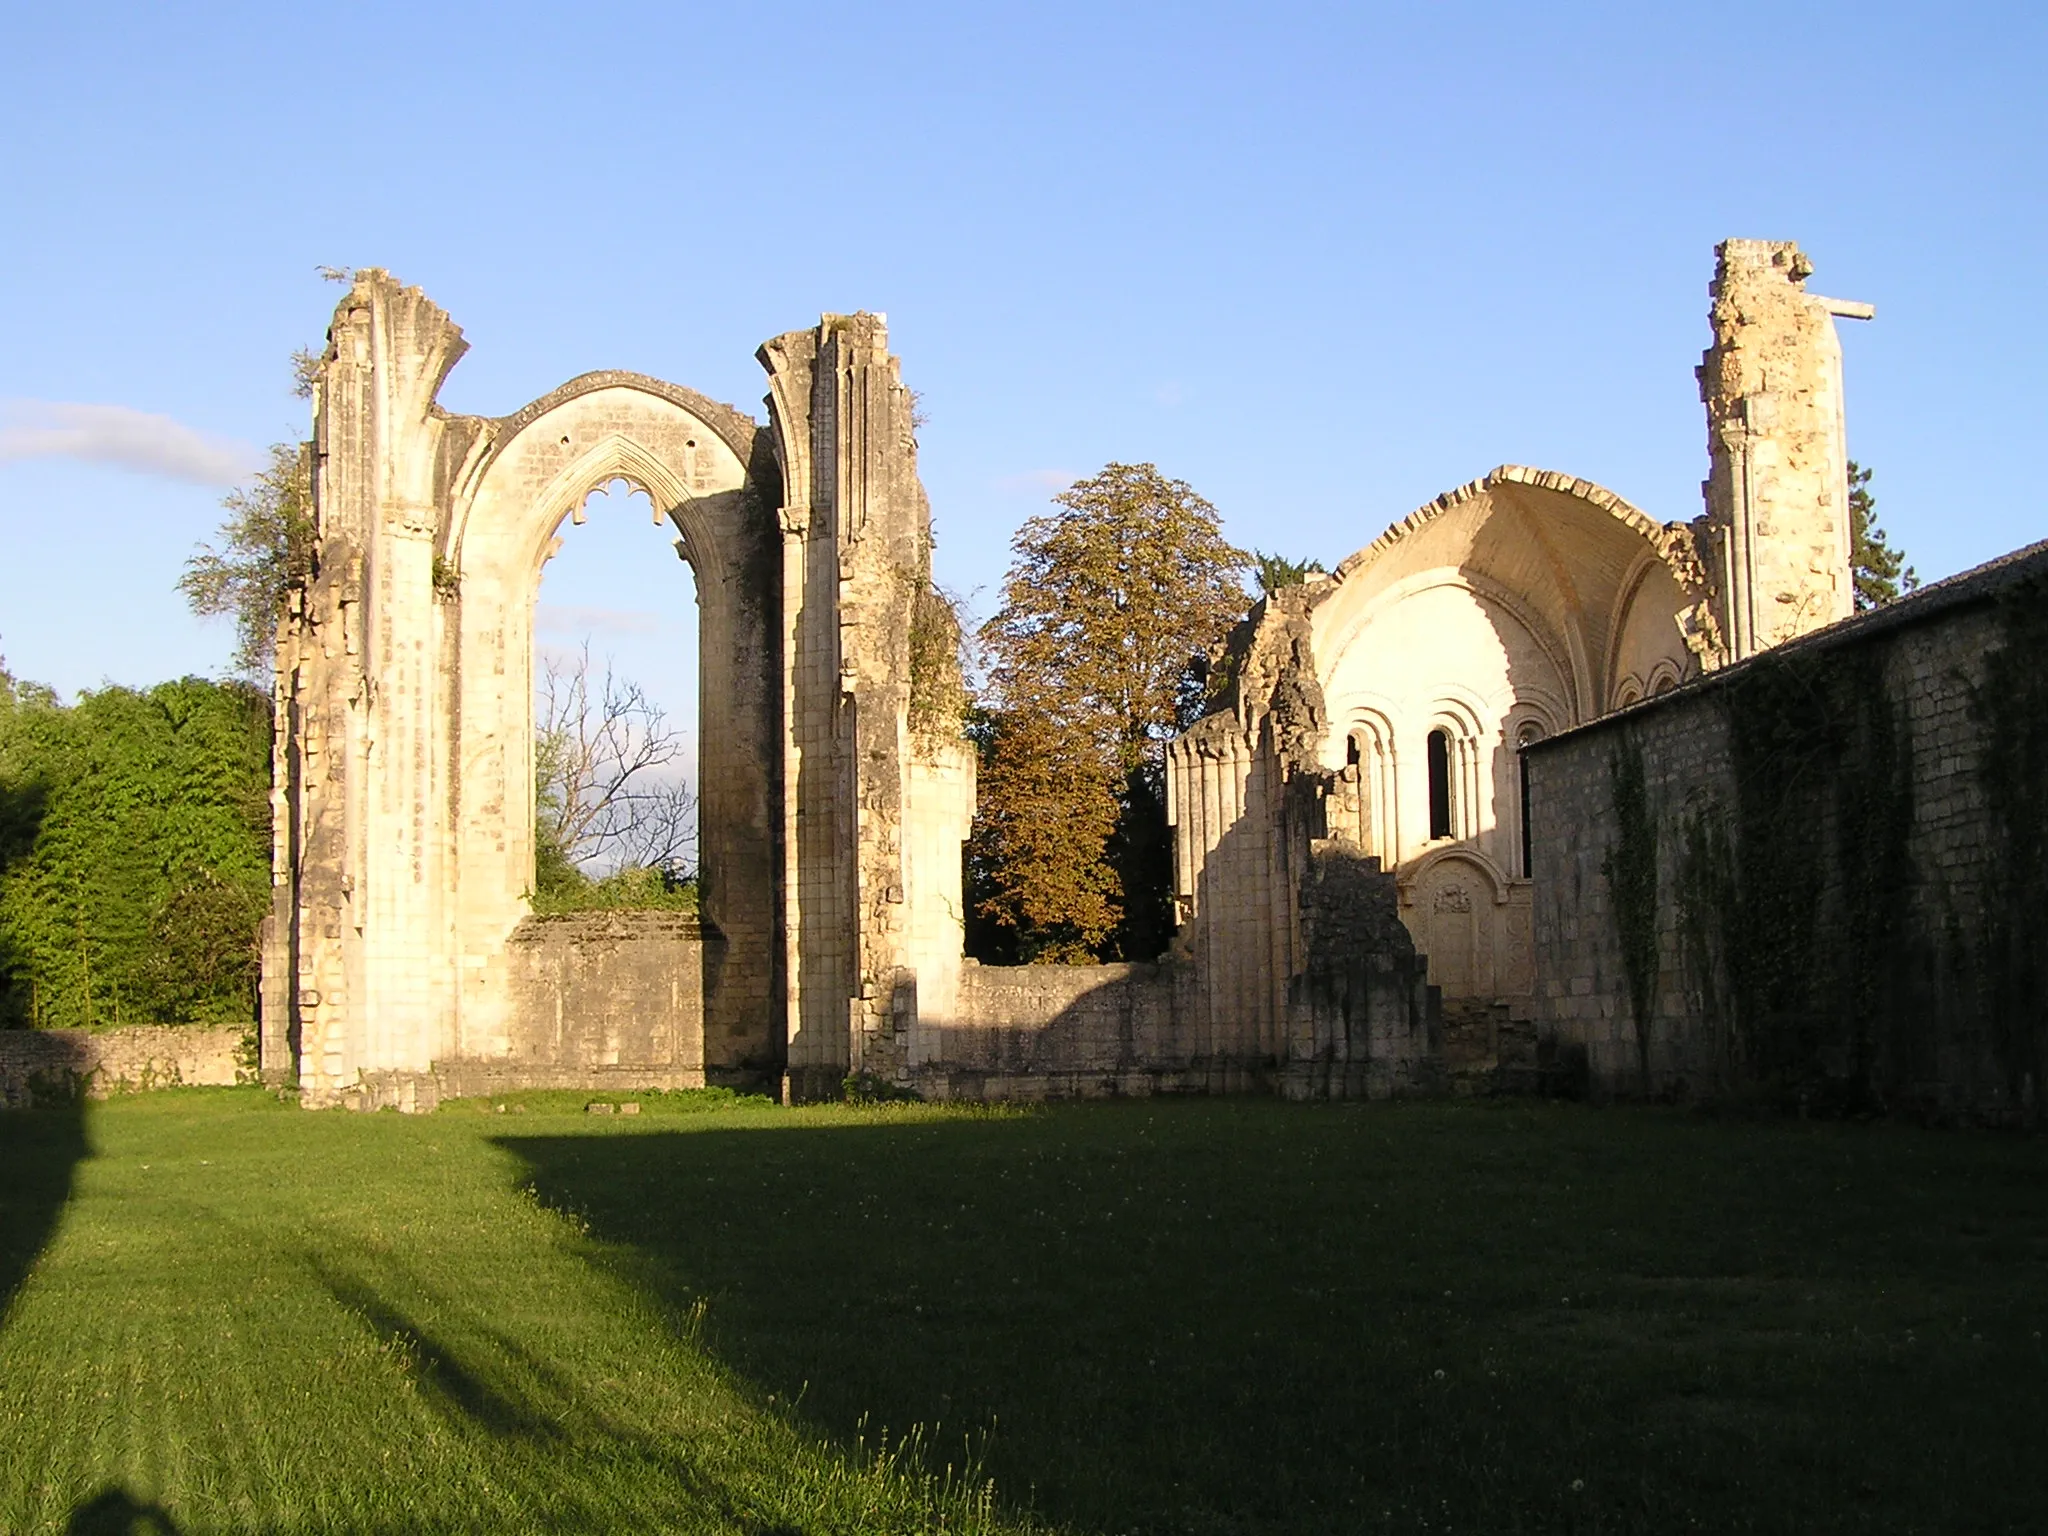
[1439, 756]
[1525, 738]
[1369, 770]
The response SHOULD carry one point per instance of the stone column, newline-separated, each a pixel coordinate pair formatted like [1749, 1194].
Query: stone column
[1776, 534]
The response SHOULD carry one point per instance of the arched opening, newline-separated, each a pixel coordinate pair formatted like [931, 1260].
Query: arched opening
[615, 709]
[1439, 756]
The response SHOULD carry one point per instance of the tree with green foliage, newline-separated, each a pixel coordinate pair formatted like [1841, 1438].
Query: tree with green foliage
[1097, 657]
[134, 853]
[1880, 571]
[265, 544]
[1273, 572]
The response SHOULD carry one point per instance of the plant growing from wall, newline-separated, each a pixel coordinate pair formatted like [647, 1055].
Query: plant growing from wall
[938, 687]
[1706, 892]
[1778, 738]
[447, 578]
[1813, 923]
[266, 543]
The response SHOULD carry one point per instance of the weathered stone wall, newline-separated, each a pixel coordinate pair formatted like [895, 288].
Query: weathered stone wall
[62, 1063]
[1357, 1022]
[599, 994]
[594, 1000]
[1058, 1031]
[1817, 875]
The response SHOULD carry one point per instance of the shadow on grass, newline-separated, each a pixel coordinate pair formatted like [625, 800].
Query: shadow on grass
[1239, 1317]
[114, 1512]
[40, 1150]
[543, 1429]
[445, 1380]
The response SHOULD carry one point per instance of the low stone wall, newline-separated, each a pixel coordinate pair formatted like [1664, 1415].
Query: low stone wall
[64, 1063]
[1099, 1031]
[1818, 876]
[600, 1000]
[1057, 1031]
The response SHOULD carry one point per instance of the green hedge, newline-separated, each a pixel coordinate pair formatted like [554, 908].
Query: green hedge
[134, 853]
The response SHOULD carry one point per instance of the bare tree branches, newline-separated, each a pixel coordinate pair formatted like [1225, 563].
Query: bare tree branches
[607, 782]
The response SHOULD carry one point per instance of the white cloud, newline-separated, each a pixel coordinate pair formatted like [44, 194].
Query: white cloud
[131, 439]
[1045, 480]
[564, 619]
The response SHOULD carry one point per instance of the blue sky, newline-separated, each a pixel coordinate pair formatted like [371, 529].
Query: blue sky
[1323, 262]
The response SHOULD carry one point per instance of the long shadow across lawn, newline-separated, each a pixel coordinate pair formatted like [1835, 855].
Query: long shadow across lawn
[1246, 1316]
[40, 1150]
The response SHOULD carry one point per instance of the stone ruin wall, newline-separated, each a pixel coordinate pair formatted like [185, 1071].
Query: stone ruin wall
[41, 1065]
[1876, 955]
[1776, 532]
[1300, 968]
[398, 959]
[399, 956]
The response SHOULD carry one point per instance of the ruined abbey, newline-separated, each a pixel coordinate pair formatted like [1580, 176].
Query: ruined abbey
[1501, 801]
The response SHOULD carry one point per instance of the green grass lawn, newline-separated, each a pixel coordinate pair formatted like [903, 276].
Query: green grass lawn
[223, 1314]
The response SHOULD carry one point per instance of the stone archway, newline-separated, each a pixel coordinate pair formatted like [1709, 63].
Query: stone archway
[692, 459]
[401, 960]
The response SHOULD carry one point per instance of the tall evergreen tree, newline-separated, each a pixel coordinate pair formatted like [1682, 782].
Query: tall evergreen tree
[1880, 571]
[1273, 572]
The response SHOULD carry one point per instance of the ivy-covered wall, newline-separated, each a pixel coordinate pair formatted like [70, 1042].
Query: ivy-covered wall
[1820, 877]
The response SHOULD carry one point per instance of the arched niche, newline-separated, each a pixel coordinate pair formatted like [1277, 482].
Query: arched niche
[1455, 903]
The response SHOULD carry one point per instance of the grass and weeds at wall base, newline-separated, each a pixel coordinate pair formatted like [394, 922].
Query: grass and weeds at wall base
[651, 1102]
[634, 889]
[1207, 1316]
